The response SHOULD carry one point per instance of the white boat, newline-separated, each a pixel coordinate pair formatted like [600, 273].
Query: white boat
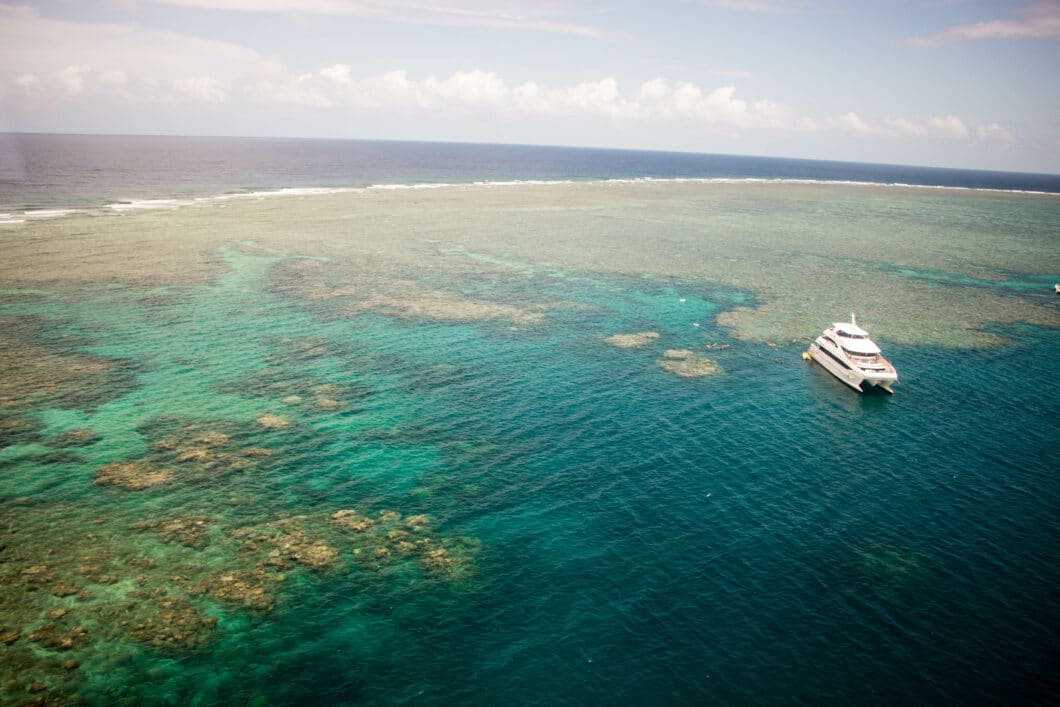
[848, 353]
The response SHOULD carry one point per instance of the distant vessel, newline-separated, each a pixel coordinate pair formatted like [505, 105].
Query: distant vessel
[848, 353]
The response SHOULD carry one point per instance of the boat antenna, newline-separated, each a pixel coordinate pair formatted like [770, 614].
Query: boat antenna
[853, 320]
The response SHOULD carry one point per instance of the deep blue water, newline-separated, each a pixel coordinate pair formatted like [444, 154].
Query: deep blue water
[70, 171]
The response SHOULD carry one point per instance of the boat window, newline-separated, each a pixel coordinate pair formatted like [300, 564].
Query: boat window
[858, 354]
[848, 335]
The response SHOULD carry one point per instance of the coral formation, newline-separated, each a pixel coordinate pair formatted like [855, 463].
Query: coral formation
[189, 531]
[687, 365]
[351, 520]
[75, 438]
[134, 475]
[396, 296]
[36, 370]
[248, 588]
[15, 429]
[631, 341]
[677, 353]
[272, 421]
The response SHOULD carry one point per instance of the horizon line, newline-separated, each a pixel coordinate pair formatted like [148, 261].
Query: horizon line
[531, 145]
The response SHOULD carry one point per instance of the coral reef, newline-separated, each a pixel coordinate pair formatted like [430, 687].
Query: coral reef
[77, 585]
[189, 531]
[684, 363]
[248, 588]
[165, 621]
[632, 341]
[74, 438]
[677, 353]
[271, 421]
[36, 370]
[307, 392]
[200, 450]
[351, 520]
[15, 429]
[392, 295]
[133, 475]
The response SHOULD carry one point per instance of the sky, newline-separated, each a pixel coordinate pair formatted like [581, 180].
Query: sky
[947, 83]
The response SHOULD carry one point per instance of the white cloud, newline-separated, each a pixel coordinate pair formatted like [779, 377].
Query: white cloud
[905, 127]
[71, 79]
[469, 89]
[767, 6]
[687, 101]
[852, 122]
[339, 73]
[44, 61]
[993, 131]
[1037, 21]
[72, 59]
[296, 91]
[113, 77]
[949, 126]
[27, 82]
[452, 13]
[200, 88]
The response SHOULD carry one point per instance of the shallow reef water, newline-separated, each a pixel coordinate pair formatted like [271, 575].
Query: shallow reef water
[537, 444]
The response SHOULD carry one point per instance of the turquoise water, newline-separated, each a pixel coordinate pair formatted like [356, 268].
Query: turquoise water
[598, 529]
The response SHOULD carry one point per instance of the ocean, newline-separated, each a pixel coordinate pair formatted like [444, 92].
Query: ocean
[346, 422]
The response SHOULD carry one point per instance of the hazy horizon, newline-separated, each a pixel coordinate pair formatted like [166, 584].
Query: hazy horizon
[524, 144]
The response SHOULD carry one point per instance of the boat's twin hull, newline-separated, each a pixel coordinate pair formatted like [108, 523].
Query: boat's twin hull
[856, 379]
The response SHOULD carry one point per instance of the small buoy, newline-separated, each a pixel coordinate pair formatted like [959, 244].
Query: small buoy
[695, 324]
[681, 300]
[805, 355]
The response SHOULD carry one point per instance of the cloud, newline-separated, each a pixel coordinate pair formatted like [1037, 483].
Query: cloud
[854, 123]
[902, 126]
[56, 59]
[71, 79]
[339, 73]
[450, 13]
[949, 126]
[484, 92]
[1040, 20]
[993, 131]
[767, 6]
[46, 63]
[721, 106]
[200, 88]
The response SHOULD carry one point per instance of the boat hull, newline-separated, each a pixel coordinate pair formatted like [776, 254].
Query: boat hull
[855, 378]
